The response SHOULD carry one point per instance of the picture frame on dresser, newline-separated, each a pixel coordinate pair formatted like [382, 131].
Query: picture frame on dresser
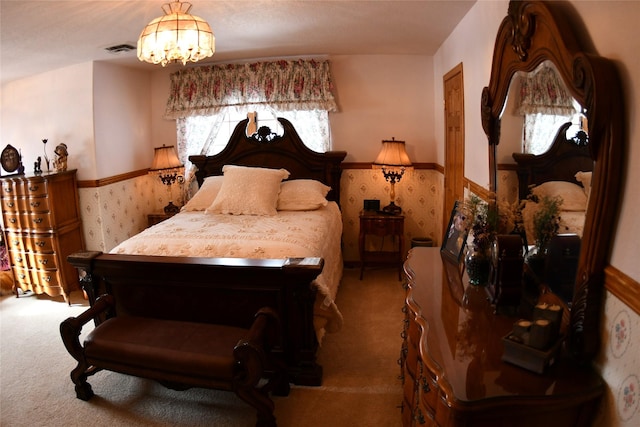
[455, 237]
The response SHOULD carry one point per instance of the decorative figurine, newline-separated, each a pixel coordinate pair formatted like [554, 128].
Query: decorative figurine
[60, 162]
[37, 166]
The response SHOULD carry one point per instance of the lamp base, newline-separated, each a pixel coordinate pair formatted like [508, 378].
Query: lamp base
[171, 209]
[392, 209]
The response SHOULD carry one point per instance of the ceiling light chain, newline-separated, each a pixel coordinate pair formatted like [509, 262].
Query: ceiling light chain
[176, 36]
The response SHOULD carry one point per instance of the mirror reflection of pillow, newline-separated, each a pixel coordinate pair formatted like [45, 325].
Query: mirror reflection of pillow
[573, 196]
[205, 195]
[584, 178]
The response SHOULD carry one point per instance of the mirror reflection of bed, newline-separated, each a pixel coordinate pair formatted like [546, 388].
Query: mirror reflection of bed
[544, 151]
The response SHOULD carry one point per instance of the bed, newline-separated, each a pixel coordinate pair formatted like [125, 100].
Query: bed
[562, 171]
[240, 245]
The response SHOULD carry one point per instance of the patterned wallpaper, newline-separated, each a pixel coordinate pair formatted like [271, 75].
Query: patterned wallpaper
[619, 363]
[112, 213]
[419, 194]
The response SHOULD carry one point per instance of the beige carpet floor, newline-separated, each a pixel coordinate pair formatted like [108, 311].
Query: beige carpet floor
[360, 387]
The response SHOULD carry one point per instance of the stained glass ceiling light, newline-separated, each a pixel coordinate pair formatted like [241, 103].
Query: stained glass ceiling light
[176, 36]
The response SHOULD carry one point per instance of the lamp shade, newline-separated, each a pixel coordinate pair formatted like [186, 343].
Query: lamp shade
[165, 158]
[176, 36]
[393, 153]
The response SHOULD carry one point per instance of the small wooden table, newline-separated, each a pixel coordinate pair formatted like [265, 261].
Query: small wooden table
[382, 225]
[157, 217]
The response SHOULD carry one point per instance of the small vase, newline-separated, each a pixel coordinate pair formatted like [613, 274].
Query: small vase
[478, 264]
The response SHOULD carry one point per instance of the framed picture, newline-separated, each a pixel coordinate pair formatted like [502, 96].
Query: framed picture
[455, 237]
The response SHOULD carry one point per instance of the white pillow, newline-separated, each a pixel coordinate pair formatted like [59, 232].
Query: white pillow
[573, 197]
[248, 191]
[205, 195]
[302, 195]
[584, 178]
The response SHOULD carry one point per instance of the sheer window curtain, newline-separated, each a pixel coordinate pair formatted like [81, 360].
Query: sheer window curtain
[201, 98]
[545, 104]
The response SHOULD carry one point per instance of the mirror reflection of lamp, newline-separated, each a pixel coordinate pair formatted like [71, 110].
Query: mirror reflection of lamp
[167, 166]
[394, 161]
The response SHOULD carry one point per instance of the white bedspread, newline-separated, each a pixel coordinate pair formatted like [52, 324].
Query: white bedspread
[288, 234]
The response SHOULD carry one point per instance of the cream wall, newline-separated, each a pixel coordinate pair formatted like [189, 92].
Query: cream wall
[58, 106]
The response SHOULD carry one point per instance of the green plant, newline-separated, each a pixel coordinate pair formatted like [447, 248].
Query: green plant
[546, 221]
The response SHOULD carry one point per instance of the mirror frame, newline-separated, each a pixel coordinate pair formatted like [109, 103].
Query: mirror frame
[532, 32]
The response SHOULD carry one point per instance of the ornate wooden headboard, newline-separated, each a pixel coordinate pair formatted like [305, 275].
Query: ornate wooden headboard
[268, 150]
[560, 162]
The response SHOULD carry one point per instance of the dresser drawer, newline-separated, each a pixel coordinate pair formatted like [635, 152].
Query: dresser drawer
[40, 243]
[43, 261]
[19, 259]
[37, 204]
[381, 226]
[23, 277]
[10, 204]
[35, 188]
[16, 242]
[40, 221]
[427, 388]
[12, 220]
[48, 278]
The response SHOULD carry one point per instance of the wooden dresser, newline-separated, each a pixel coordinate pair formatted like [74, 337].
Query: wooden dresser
[41, 215]
[451, 363]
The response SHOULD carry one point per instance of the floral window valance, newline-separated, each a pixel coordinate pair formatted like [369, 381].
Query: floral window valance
[544, 93]
[283, 85]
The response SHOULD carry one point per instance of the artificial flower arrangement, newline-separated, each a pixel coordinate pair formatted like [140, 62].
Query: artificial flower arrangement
[480, 220]
[546, 220]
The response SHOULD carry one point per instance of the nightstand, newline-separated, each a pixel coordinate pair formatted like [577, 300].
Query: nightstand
[381, 225]
[157, 217]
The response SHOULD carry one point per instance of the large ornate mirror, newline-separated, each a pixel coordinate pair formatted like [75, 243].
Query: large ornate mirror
[537, 39]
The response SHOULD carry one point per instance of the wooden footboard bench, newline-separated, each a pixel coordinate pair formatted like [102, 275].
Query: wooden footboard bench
[217, 291]
[179, 354]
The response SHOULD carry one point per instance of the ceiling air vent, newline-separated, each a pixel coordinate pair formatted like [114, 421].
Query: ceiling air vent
[119, 48]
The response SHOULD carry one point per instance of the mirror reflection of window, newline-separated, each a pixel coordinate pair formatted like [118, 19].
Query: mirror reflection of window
[545, 104]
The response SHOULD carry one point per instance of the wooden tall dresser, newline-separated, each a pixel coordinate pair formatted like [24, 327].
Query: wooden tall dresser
[41, 214]
[452, 371]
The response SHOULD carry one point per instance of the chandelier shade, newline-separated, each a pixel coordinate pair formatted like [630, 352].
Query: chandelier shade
[176, 37]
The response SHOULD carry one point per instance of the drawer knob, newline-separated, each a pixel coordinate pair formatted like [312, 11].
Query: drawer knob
[47, 278]
[43, 261]
[12, 220]
[34, 188]
[40, 243]
[38, 220]
[10, 204]
[35, 204]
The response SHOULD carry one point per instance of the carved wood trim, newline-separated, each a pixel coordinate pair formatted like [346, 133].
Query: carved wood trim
[112, 179]
[623, 287]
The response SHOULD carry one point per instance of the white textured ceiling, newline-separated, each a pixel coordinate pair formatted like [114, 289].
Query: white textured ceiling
[38, 36]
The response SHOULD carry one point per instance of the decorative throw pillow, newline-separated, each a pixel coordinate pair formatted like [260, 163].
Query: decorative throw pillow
[573, 197]
[248, 191]
[302, 195]
[205, 195]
